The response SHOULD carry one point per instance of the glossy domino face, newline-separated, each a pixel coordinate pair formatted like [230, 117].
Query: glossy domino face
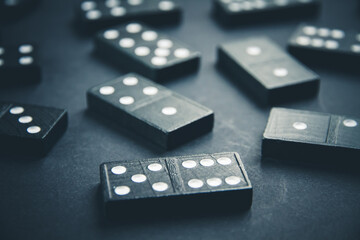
[326, 39]
[102, 10]
[149, 109]
[173, 176]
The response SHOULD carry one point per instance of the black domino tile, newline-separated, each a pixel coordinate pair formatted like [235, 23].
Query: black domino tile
[269, 73]
[19, 65]
[135, 47]
[325, 46]
[30, 130]
[160, 115]
[311, 137]
[175, 185]
[239, 12]
[97, 14]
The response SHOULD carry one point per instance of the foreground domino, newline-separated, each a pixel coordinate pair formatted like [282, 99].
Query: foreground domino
[173, 185]
[96, 14]
[232, 12]
[157, 113]
[19, 65]
[267, 71]
[311, 136]
[324, 45]
[137, 48]
[30, 130]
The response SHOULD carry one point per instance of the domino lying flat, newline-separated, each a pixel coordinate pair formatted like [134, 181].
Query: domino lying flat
[30, 130]
[324, 45]
[207, 182]
[267, 71]
[311, 136]
[18, 65]
[101, 13]
[233, 12]
[137, 48]
[160, 115]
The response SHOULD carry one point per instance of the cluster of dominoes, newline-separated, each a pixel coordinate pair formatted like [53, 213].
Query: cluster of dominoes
[197, 182]
[232, 12]
[101, 13]
[19, 65]
[168, 119]
[325, 45]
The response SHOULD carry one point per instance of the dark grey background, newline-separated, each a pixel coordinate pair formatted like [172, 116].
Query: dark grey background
[56, 197]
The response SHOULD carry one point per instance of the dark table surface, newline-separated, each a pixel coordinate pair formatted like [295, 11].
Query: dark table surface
[57, 197]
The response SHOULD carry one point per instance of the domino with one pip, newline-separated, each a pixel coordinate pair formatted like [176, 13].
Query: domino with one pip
[311, 136]
[158, 114]
[323, 45]
[19, 65]
[95, 14]
[29, 129]
[232, 12]
[270, 73]
[206, 182]
[137, 48]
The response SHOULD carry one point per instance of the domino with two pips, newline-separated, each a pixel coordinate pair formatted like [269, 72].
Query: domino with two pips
[311, 137]
[268, 72]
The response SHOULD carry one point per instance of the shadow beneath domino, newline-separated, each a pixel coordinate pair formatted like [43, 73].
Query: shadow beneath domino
[143, 142]
[136, 138]
[333, 167]
[167, 213]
